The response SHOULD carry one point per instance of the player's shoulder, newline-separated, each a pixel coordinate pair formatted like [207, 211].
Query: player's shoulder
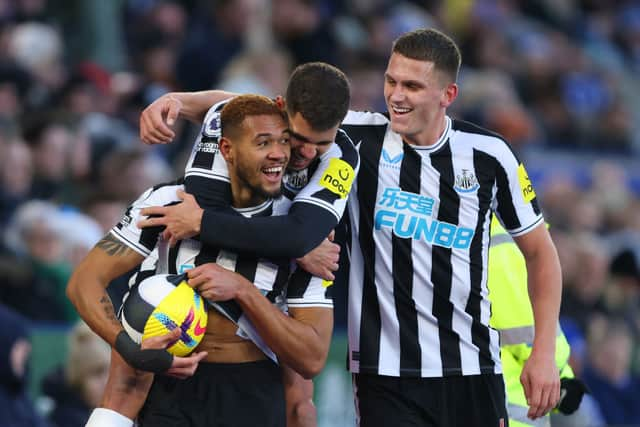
[161, 194]
[343, 149]
[365, 118]
[212, 126]
[482, 139]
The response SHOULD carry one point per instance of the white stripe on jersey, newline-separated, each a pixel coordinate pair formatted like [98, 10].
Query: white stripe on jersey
[204, 173]
[390, 338]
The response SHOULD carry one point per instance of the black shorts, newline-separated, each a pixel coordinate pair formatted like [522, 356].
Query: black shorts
[219, 394]
[456, 401]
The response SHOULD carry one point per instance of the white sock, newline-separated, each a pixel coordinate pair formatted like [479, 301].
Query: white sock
[103, 417]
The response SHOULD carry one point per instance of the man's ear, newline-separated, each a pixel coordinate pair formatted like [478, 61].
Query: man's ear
[226, 149]
[280, 102]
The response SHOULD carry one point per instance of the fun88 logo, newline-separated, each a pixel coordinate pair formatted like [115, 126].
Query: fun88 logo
[409, 216]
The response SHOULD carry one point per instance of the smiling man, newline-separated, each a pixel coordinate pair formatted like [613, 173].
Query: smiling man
[420, 346]
[243, 337]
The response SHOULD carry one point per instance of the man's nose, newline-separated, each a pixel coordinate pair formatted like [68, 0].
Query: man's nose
[397, 93]
[308, 151]
[279, 151]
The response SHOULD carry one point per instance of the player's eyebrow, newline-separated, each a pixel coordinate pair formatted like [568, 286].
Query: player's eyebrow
[307, 140]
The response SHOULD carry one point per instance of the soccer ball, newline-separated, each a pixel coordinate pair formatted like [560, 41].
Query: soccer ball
[161, 303]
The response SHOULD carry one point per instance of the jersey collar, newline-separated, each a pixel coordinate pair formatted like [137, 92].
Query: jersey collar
[440, 142]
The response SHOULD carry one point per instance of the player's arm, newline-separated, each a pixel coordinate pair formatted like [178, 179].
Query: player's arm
[157, 120]
[300, 340]
[87, 287]
[540, 377]
[316, 210]
[301, 412]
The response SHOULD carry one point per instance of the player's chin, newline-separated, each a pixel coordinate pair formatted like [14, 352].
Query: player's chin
[272, 190]
[399, 126]
[298, 164]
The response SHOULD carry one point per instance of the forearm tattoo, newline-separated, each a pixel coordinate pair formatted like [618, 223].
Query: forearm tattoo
[107, 306]
[113, 246]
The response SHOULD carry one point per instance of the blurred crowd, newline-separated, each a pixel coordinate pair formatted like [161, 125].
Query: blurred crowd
[552, 76]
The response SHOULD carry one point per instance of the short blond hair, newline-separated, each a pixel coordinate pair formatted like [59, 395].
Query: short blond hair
[87, 352]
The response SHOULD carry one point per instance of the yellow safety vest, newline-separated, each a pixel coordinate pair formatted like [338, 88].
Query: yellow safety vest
[512, 316]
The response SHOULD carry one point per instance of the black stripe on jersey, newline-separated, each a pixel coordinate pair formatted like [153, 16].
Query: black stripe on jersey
[246, 266]
[204, 159]
[480, 333]
[288, 193]
[207, 254]
[442, 267]
[370, 322]
[209, 192]
[349, 155]
[349, 152]
[298, 283]
[173, 257]
[149, 235]
[505, 208]
[410, 351]
[282, 278]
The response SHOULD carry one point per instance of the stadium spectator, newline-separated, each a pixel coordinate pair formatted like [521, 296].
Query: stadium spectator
[76, 388]
[15, 404]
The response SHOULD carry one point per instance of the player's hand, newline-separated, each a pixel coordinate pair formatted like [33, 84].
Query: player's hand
[323, 260]
[157, 120]
[182, 220]
[216, 283]
[156, 360]
[541, 382]
[181, 367]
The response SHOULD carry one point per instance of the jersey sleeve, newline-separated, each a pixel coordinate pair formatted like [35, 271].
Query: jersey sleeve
[330, 184]
[144, 240]
[516, 203]
[305, 290]
[206, 173]
[316, 210]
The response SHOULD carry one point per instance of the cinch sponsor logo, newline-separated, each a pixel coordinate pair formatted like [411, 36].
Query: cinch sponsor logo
[338, 177]
[525, 184]
[391, 161]
[408, 215]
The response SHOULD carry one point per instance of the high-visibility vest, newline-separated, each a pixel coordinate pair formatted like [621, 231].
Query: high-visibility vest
[512, 316]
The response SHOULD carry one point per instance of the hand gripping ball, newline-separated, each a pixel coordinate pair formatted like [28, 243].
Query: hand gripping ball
[161, 303]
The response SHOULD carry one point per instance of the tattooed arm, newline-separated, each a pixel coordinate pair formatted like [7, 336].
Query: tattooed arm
[87, 288]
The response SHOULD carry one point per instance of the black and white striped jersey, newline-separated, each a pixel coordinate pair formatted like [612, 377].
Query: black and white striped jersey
[319, 195]
[420, 219]
[277, 279]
